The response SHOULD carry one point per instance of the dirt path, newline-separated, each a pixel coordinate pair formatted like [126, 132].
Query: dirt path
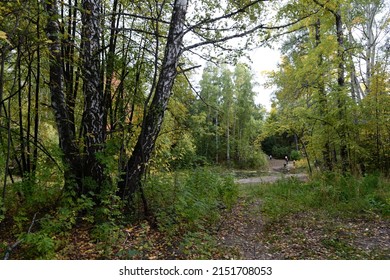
[302, 235]
[241, 232]
[242, 226]
[276, 171]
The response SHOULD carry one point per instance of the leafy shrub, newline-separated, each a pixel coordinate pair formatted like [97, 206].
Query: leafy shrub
[191, 200]
[254, 160]
[280, 151]
[295, 155]
[106, 235]
[39, 246]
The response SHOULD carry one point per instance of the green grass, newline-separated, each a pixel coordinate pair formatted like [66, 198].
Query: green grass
[330, 217]
[331, 193]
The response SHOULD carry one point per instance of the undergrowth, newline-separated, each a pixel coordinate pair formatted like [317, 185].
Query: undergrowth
[187, 207]
[330, 217]
[42, 223]
[334, 194]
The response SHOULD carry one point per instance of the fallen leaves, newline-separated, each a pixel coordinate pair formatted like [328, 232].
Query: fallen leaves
[302, 236]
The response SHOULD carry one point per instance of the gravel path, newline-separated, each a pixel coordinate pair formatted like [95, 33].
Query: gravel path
[277, 171]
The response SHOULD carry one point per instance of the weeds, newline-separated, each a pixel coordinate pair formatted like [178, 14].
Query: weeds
[330, 217]
[189, 201]
[332, 193]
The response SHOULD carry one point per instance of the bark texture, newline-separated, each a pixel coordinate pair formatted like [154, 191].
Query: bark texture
[58, 100]
[135, 167]
[93, 128]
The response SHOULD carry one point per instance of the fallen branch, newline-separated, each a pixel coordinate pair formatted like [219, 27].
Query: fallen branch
[16, 244]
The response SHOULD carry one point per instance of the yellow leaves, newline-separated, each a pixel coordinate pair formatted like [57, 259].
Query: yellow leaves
[358, 20]
[3, 36]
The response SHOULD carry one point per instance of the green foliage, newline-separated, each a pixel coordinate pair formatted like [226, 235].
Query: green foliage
[295, 155]
[280, 152]
[106, 235]
[226, 121]
[335, 194]
[313, 99]
[254, 160]
[190, 200]
[222, 126]
[36, 193]
[38, 246]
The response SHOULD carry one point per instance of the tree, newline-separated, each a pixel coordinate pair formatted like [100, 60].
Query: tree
[228, 119]
[135, 167]
[110, 68]
[93, 114]
[66, 131]
[312, 85]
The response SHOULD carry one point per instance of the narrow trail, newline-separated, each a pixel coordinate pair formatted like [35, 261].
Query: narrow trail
[306, 235]
[241, 232]
[242, 226]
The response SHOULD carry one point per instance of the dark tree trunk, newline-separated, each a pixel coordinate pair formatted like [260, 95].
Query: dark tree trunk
[93, 128]
[20, 111]
[68, 52]
[323, 104]
[341, 103]
[37, 87]
[58, 102]
[135, 167]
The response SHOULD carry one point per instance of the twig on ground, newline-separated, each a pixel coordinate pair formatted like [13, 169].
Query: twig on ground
[16, 244]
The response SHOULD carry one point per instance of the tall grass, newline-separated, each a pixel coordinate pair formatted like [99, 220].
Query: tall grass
[189, 201]
[333, 193]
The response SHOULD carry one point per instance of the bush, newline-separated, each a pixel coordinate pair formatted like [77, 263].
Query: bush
[295, 155]
[38, 246]
[255, 160]
[189, 201]
[280, 152]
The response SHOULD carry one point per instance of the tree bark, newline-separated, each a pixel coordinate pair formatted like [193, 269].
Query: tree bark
[93, 117]
[135, 167]
[341, 103]
[323, 101]
[37, 92]
[58, 102]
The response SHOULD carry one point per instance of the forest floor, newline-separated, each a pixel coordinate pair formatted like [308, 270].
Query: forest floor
[309, 235]
[244, 232]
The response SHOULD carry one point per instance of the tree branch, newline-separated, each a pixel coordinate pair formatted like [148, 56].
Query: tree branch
[16, 244]
[245, 33]
[208, 21]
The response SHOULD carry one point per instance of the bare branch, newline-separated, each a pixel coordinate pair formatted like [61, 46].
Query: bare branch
[212, 20]
[248, 32]
[139, 17]
[16, 244]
